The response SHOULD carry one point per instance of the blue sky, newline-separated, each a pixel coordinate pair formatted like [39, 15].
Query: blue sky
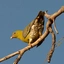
[15, 15]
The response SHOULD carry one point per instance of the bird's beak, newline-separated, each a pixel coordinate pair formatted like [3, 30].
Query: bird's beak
[11, 37]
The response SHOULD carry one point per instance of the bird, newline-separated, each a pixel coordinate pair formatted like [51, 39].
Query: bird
[32, 31]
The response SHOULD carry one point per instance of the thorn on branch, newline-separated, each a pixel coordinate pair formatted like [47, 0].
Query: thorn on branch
[55, 28]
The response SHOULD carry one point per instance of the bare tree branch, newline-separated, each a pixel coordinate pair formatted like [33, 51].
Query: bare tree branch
[48, 17]
[51, 20]
[53, 45]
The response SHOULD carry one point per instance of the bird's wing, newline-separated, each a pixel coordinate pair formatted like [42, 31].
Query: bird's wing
[27, 29]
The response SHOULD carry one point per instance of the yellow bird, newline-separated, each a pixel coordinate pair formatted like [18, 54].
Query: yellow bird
[33, 31]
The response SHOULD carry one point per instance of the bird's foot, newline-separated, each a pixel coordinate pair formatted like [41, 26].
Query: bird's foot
[30, 45]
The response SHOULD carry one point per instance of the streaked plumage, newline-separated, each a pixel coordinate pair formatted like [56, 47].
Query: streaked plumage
[33, 31]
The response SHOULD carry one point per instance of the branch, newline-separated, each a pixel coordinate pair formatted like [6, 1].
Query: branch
[48, 17]
[48, 30]
[53, 45]
[51, 19]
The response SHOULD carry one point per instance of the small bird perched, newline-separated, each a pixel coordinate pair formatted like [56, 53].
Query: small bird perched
[33, 31]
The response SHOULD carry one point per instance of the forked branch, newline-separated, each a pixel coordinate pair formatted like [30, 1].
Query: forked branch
[51, 20]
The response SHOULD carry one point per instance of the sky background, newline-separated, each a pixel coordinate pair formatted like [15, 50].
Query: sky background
[15, 15]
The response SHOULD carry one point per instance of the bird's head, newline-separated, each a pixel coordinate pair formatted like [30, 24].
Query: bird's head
[16, 34]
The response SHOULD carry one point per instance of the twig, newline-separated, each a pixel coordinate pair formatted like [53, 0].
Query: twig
[53, 45]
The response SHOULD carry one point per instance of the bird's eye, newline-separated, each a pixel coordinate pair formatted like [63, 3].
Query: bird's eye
[14, 32]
